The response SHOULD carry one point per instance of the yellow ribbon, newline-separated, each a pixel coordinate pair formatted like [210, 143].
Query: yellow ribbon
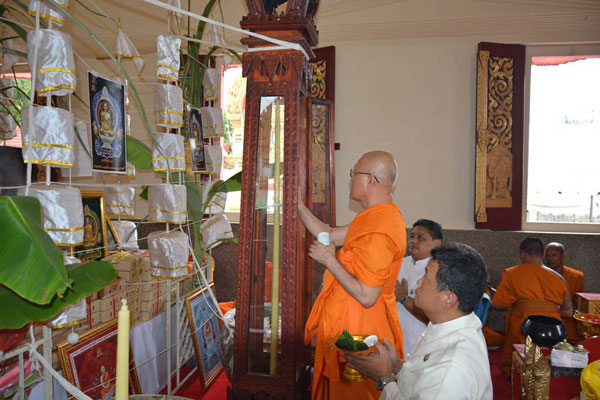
[58, 146]
[66, 71]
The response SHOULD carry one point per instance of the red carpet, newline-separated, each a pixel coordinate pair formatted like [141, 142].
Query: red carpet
[218, 389]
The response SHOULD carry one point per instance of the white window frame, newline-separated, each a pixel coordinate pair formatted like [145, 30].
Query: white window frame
[537, 50]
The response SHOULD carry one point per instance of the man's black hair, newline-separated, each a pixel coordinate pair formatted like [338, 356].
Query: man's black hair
[532, 246]
[463, 272]
[434, 229]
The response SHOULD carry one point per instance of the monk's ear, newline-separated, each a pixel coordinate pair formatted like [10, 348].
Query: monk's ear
[564, 256]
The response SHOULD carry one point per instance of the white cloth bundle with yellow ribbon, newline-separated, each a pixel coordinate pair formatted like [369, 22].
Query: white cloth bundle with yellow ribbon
[55, 68]
[120, 201]
[73, 314]
[169, 253]
[168, 106]
[126, 49]
[48, 11]
[83, 162]
[168, 152]
[127, 233]
[210, 83]
[213, 124]
[52, 136]
[214, 230]
[217, 204]
[167, 203]
[62, 213]
[7, 120]
[214, 159]
[167, 49]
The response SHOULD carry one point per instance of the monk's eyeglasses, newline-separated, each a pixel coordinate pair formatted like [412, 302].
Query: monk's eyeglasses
[354, 172]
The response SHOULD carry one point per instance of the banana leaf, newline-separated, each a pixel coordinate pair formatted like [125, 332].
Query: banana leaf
[138, 153]
[30, 263]
[87, 278]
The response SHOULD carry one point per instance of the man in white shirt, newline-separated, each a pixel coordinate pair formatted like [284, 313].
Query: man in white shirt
[424, 237]
[450, 360]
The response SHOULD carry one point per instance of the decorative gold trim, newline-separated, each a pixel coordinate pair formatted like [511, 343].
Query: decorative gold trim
[63, 86]
[119, 55]
[168, 122]
[169, 169]
[50, 162]
[167, 67]
[58, 146]
[169, 268]
[166, 221]
[120, 205]
[166, 77]
[213, 126]
[168, 112]
[482, 136]
[45, 70]
[167, 158]
[112, 229]
[64, 230]
[46, 16]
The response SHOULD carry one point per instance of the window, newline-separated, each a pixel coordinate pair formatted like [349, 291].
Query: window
[563, 168]
[233, 104]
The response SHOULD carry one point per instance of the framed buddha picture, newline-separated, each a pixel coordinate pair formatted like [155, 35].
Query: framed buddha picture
[95, 230]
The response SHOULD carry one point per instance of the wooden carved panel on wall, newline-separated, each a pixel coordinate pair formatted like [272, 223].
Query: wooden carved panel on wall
[499, 144]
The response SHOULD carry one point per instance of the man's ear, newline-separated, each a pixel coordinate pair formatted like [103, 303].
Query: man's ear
[564, 256]
[450, 300]
[437, 243]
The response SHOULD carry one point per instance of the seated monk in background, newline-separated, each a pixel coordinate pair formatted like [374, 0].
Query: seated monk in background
[529, 289]
[358, 285]
[554, 257]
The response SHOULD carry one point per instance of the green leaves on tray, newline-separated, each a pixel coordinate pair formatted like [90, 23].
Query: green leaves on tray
[346, 342]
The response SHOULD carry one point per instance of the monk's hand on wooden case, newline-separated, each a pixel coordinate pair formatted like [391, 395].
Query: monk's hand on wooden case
[321, 253]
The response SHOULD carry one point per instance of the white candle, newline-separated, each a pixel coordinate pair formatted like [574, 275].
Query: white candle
[122, 392]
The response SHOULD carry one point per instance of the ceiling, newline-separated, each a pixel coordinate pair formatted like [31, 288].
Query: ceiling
[354, 20]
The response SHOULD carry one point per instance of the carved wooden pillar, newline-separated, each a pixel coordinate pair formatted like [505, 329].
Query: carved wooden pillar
[273, 295]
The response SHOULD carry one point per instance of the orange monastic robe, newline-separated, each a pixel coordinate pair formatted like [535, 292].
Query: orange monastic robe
[575, 280]
[525, 282]
[372, 252]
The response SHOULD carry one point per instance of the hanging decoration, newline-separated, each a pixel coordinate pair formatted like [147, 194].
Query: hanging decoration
[51, 135]
[168, 48]
[169, 252]
[210, 83]
[120, 201]
[168, 106]
[127, 233]
[126, 50]
[214, 159]
[82, 166]
[47, 11]
[167, 203]
[214, 230]
[217, 204]
[55, 67]
[168, 152]
[212, 122]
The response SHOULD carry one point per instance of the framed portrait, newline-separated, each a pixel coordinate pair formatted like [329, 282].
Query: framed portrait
[91, 364]
[196, 138]
[112, 236]
[95, 232]
[107, 119]
[204, 325]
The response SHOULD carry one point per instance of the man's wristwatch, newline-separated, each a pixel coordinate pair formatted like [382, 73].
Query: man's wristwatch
[381, 382]
[403, 299]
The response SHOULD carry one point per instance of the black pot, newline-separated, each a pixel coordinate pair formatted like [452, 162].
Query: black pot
[544, 331]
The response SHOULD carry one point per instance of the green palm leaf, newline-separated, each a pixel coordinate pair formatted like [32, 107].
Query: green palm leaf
[30, 263]
[87, 278]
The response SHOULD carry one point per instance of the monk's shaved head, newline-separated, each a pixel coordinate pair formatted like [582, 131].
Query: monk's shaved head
[383, 165]
[558, 245]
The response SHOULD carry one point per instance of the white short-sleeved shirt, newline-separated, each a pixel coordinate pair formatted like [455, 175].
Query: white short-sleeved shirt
[412, 327]
[449, 361]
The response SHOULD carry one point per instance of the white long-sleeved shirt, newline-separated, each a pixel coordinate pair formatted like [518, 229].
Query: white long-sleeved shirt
[412, 327]
[449, 361]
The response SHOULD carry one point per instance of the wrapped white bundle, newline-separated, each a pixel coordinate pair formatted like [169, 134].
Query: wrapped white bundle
[168, 106]
[47, 11]
[169, 253]
[62, 213]
[175, 19]
[168, 152]
[210, 83]
[73, 314]
[127, 234]
[215, 229]
[51, 134]
[167, 203]
[217, 204]
[167, 49]
[120, 201]
[55, 68]
[214, 159]
[83, 162]
[215, 35]
[7, 121]
[212, 122]
[126, 49]
[130, 169]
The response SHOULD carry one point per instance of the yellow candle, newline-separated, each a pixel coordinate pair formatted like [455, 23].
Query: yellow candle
[122, 392]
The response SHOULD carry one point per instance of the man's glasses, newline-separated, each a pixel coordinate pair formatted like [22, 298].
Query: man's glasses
[354, 172]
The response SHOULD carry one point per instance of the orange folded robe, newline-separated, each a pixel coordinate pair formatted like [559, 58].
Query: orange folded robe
[372, 252]
[525, 282]
[575, 280]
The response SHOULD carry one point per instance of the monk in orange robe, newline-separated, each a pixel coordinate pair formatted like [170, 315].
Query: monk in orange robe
[358, 285]
[554, 258]
[529, 289]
